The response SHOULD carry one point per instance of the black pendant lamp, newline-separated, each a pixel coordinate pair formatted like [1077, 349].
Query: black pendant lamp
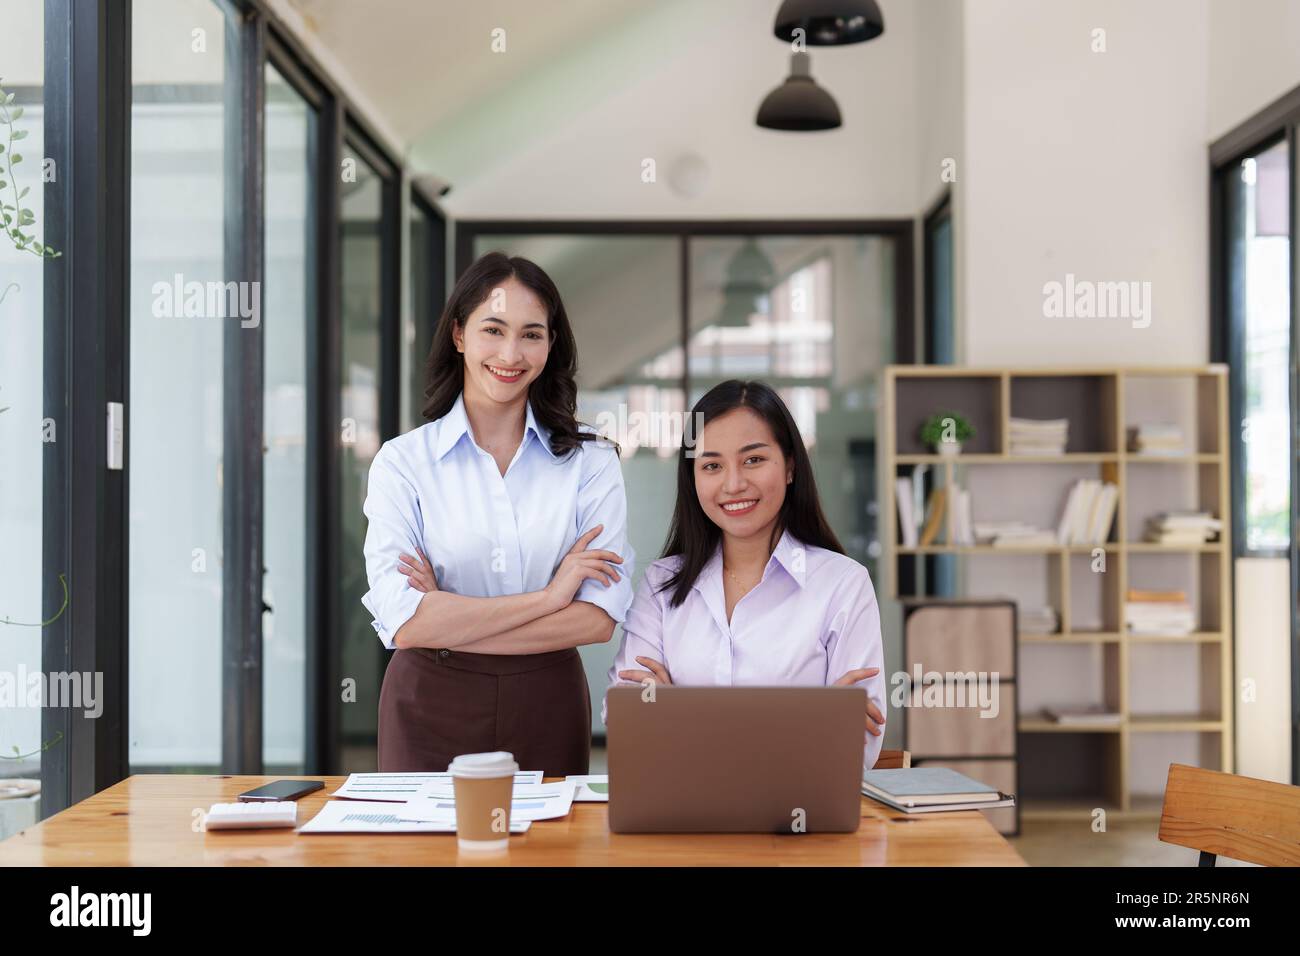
[830, 22]
[799, 104]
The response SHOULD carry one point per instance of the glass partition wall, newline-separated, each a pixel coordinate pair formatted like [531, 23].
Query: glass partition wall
[292, 132]
[226, 296]
[322, 381]
[175, 442]
[24, 433]
[661, 316]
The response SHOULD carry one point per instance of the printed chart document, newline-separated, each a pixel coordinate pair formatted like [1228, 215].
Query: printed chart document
[357, 816]
[589, 787]
[400, 787]
[545, 801]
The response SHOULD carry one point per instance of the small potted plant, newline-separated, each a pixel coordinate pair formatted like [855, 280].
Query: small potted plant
[945, 431]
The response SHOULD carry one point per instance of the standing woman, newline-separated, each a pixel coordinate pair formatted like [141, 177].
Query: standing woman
[497, 539]
[754, 587]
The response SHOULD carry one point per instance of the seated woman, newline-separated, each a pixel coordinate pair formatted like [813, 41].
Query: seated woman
[754, 588]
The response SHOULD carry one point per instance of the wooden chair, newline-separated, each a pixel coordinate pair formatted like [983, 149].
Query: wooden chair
[1242, 818]
[893, 760]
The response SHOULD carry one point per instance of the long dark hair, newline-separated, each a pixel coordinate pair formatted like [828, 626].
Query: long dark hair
[554, 393]
[693, 534]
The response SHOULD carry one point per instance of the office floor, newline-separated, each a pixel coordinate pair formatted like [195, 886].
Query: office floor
[1130, 843]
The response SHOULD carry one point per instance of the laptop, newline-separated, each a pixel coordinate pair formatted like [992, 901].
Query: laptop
[735, 759]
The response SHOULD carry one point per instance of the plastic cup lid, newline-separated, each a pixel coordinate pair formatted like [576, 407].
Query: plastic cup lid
[499, 763]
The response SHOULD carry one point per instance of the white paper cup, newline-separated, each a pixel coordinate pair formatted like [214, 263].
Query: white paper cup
[484, 784]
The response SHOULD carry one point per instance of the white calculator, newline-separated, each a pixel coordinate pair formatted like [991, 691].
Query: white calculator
[258, 814]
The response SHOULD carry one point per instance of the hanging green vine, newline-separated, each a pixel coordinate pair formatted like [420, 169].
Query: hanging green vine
[63, 580]
[16, 219]
[32, 753]
[15, 215]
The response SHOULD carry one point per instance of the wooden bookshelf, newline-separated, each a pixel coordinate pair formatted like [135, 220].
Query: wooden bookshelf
[1067, 771]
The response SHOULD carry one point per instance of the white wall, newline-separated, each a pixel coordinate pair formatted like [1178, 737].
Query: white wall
[940, 134]
[1253, 58]
[1085, 163]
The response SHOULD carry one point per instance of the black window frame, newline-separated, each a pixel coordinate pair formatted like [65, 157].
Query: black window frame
[1277, 122]
[87, 113]
[433, 268]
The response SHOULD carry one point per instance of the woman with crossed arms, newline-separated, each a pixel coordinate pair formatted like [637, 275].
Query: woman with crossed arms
[753, 588]
[497, 539]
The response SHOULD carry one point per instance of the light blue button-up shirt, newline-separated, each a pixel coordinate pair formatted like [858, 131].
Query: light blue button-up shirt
[488, 535]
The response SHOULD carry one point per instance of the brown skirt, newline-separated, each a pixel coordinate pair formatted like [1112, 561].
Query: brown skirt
[436, 704]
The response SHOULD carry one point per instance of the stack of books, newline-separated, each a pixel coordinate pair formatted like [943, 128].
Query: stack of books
[1159, 613]
[1089, 512]
[1037, 620]
[931, 790]
[1156, 440]
[1013, 534]
[1182, 528]
[1028, 436]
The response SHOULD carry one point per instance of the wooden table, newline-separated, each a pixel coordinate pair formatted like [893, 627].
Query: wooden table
[149, 820]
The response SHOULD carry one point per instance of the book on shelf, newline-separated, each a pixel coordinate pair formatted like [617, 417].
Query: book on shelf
[1138, 595]
[1089, 512]
[963, 525]
[1083, 716]
[934, 515]
[906, 516]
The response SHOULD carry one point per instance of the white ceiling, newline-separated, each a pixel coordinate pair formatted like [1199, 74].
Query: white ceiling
[424, 60]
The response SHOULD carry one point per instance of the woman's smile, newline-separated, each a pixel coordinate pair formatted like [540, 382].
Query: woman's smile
[503, 374]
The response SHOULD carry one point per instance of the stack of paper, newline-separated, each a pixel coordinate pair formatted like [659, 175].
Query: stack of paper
[1182, 528]
[1159, 613]
[426, 803]
[1013, 534]
[1156, 440]
[1038, 620]
[1088, 513]
[530, 801]
[361, 816]
[1084, 716]
[1028, 436]
[589, 787]
[400, 787]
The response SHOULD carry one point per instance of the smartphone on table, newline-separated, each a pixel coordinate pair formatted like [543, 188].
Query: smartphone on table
[282, 790]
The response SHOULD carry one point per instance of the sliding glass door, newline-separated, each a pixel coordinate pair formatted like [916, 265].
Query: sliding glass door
[292, 131]
[175, 438]
[1254, 207]
[1257, 194]
[24, 432]
[362, 227]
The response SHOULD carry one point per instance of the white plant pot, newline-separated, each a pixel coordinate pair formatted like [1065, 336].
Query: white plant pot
[948, 449]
